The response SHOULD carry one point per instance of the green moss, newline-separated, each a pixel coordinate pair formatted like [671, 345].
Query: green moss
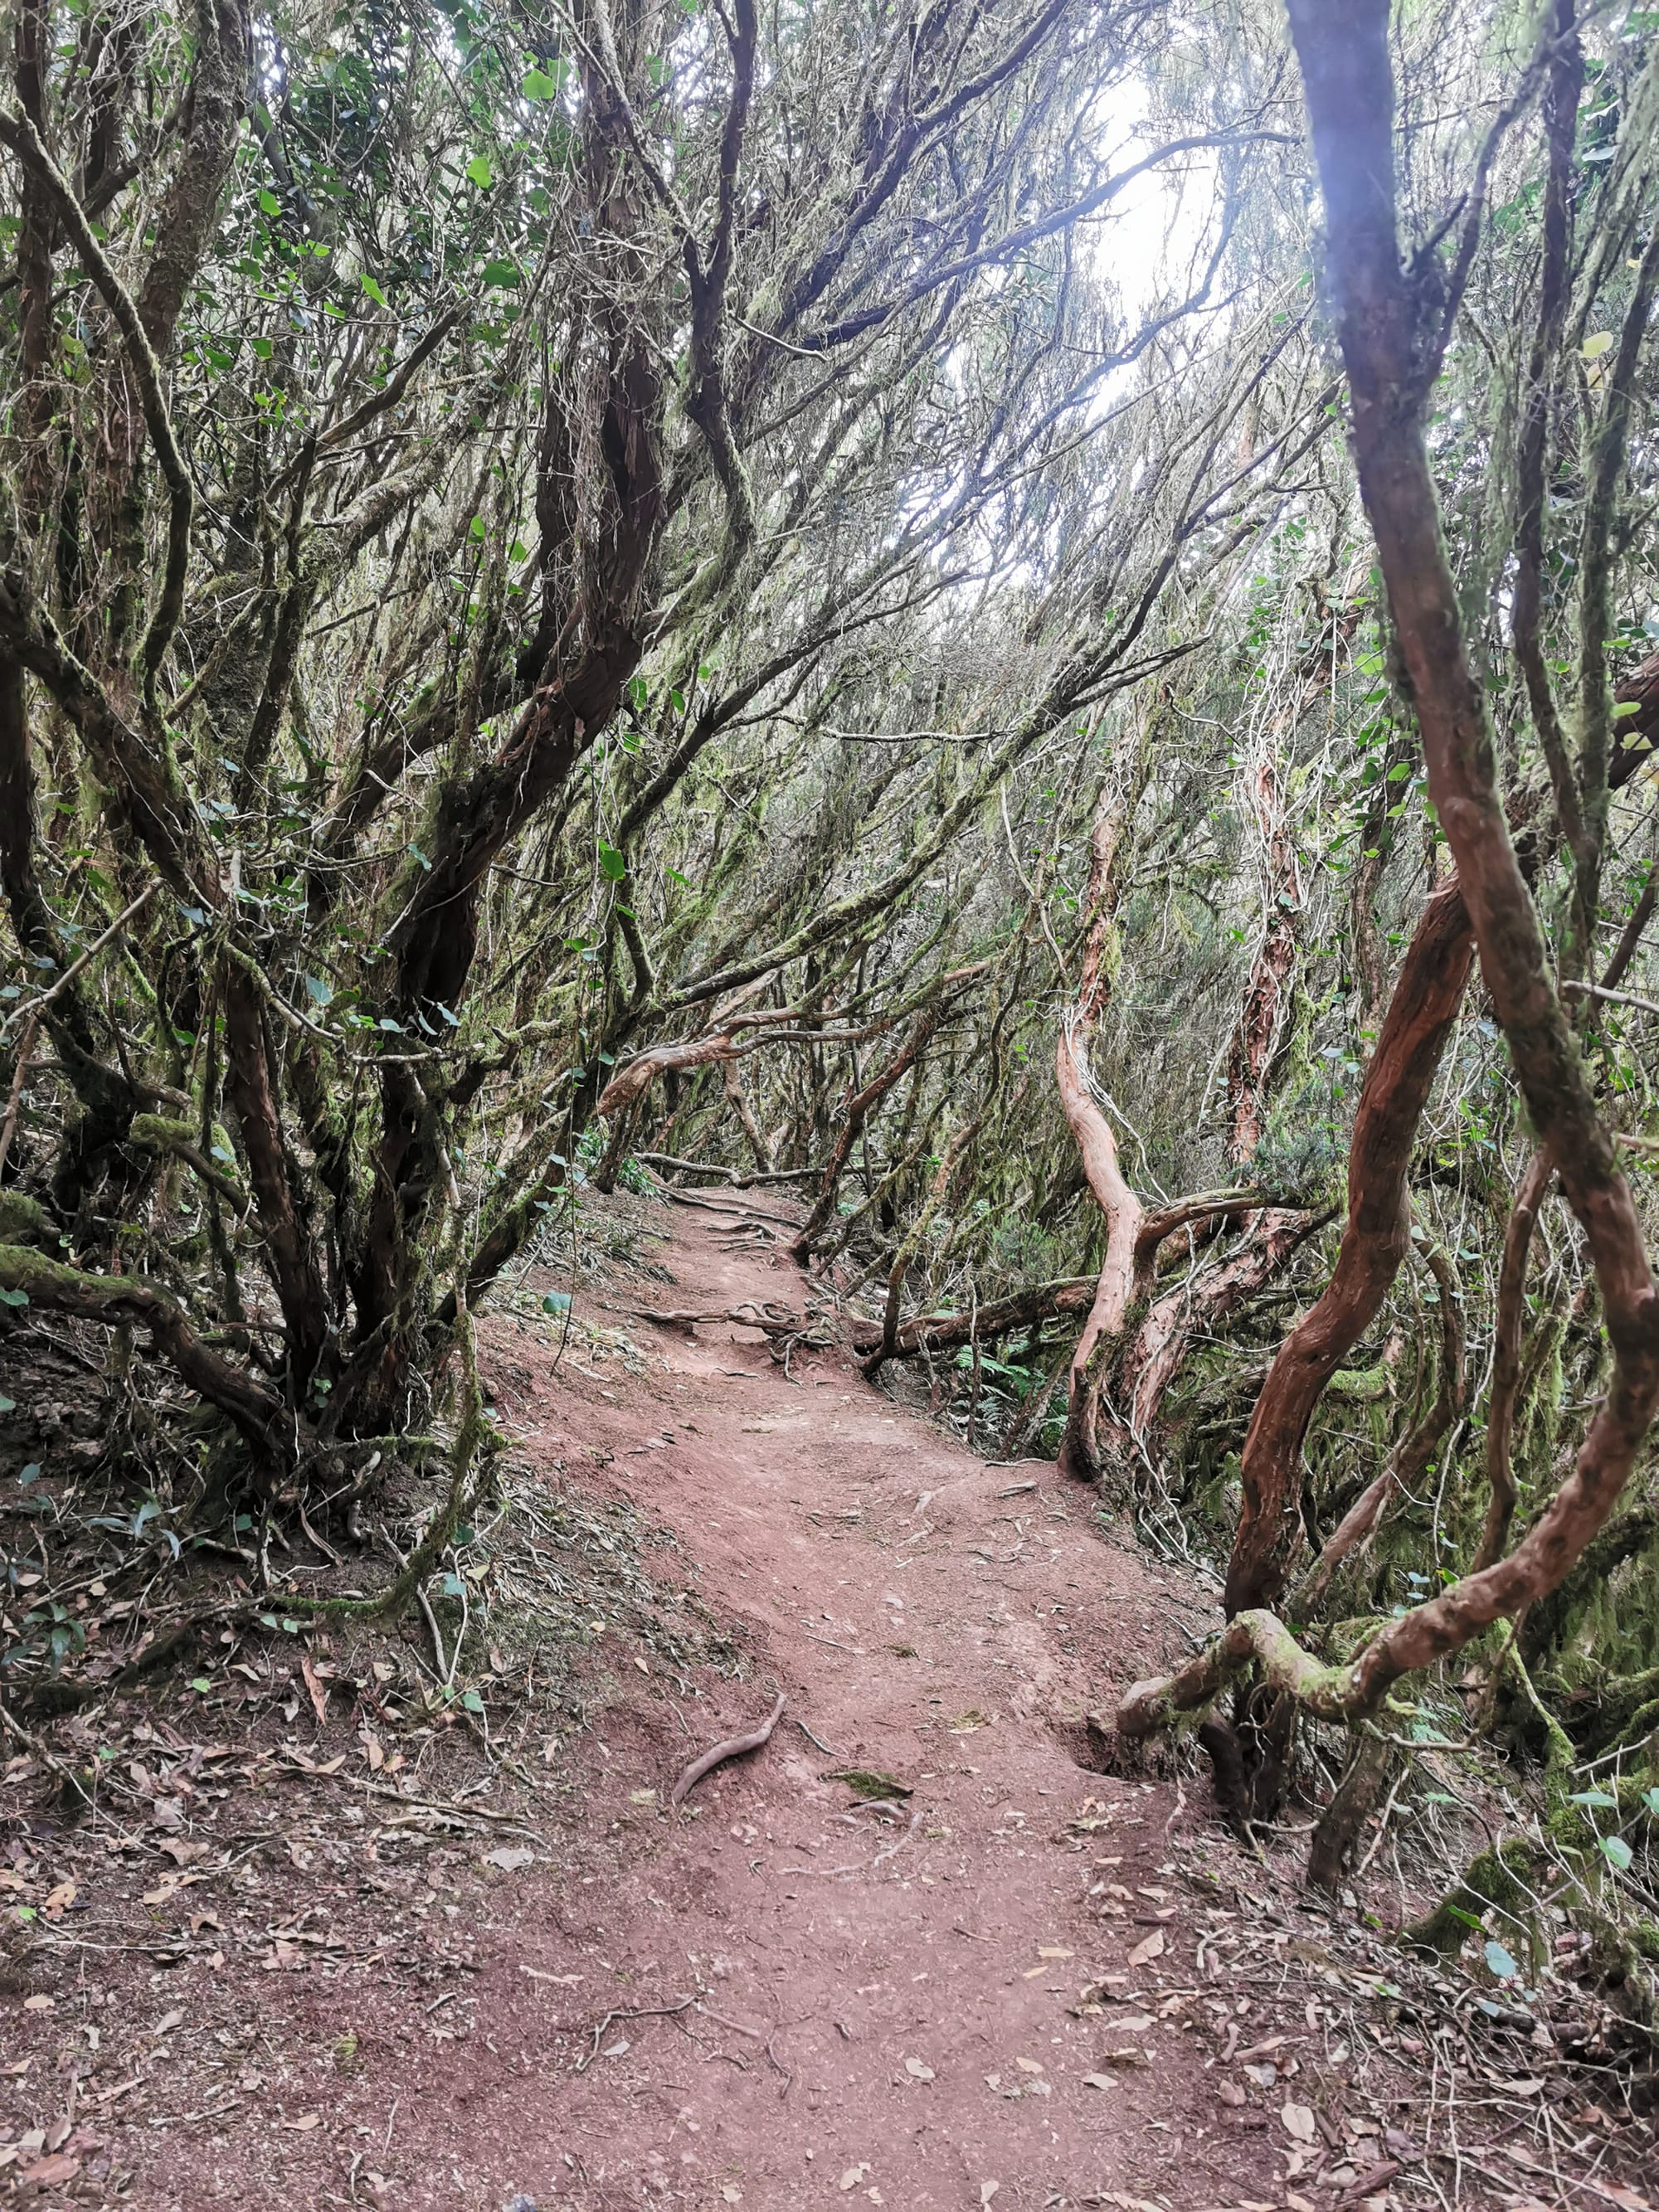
[1497, 1883]
[23, 1220]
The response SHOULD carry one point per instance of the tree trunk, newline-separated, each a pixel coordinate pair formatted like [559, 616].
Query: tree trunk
[1375, 1240]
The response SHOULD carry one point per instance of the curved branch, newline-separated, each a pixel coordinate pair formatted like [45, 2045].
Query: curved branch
[20, 137]
[256, 1411]
[1375, 1240]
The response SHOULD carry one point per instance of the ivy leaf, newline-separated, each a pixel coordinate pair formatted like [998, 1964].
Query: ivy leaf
[1617, 1852]
[1502, 1963]
[539, 85]
[480, 173]
[14, 1297]
[375, 292]
[501, 272]
[269, 202]
[558, 1302]
[611, 863]
[1593, 1798]
[7, 1405]
[473, 1702]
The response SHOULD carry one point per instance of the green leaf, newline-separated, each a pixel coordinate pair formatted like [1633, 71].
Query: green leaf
[611, 862]
[453, 1585]
[375, 293]
[201, 1683]
[558, 1302]
[14, 1297]
[269, 202]
[1617, 1852]
[1650, 1799]
[501, 272]
[473, 1702]
[476, 527]
[7, 1405]
[1500, 1962]
[480, 173]
[1594, 1797]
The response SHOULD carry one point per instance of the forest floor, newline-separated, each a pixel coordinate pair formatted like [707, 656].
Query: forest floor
[289, 1975]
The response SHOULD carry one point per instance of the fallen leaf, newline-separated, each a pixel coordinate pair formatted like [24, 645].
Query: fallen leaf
[730, 2192]
[167, 2023]
[871, 1782]
[1298, 2122]
[619, 2049]
[511, 1859]
[374, 1750]
[853, 2175]
[49, 2172]
[1152, 1948]
[1052, 1951]
[317, 1691]
[41, 2003]
[306, 2121]
[917, 2070]
[1028, 2065]
[1230, 2092]
[59, 1900]
[987, 2190]
[1099, 2082]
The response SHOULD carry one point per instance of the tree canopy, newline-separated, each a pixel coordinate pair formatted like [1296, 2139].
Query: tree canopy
[1038, 623]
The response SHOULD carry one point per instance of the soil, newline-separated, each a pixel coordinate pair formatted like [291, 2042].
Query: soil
[980, 1972]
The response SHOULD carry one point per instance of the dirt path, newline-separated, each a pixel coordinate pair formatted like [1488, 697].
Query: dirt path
[883, 2011]
[285, 1975]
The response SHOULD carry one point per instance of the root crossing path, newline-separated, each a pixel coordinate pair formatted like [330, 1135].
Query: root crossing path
[993, 1991]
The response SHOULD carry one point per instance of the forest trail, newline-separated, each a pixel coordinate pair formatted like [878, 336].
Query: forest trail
[785, 1999]
[274, 1974]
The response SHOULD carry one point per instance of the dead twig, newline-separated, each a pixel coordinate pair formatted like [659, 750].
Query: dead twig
[636, 2012]
[733, 1747]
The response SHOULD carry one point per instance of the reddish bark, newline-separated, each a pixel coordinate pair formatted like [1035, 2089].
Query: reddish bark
[1078, 1455]
[1193, 1308]
[634, 1080]
[1387, 322]
[1375, 1240]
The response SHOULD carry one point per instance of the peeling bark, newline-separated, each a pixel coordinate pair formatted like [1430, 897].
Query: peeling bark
[1375, 1242]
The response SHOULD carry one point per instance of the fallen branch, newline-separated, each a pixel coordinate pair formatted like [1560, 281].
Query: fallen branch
[735, 1747]
[736, 1178]
[943, 1332]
